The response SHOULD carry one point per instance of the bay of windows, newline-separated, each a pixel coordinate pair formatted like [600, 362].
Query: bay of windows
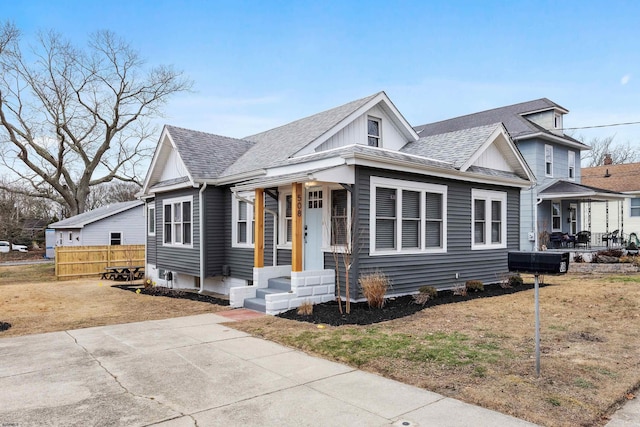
[407, 216]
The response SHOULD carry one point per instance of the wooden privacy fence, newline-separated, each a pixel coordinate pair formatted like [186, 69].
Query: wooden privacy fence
[79, 261]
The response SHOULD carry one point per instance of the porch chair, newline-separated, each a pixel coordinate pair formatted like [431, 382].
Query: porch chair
[610, 237]
[583, 238]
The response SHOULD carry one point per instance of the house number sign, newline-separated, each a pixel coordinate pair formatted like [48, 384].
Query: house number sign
[299, 204]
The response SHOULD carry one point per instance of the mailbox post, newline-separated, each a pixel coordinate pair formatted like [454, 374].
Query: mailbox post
[537, 263]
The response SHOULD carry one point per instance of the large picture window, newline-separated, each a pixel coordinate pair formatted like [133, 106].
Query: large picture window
[243, 220]
[407, 216]
[489, 214]
[177, 221]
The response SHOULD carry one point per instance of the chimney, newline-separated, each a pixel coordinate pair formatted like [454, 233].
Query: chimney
[607, 160]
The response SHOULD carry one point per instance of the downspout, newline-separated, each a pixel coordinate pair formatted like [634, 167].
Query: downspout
[201, 216]
[535, 229]
[275, 223]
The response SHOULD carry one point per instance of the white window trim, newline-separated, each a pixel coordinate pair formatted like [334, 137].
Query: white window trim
[171, 202]
[379, 136]
[149, 214]
[121, 237]
[553, 202]
[282, 224]
[550, 148]
[489, 196]
[631, 207]
[411, 186]
[326, 220]
[247, 195]
[572, 165]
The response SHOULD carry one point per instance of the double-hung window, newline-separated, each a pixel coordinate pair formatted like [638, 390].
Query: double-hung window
[572, 165]
[340, 218]
[243, 221]
[548, 160]
[115, 238]
[151, 220]
[635, 207]
[373, 132]
[177, 221]
[556, 216]
[407, 217]
[488, 219]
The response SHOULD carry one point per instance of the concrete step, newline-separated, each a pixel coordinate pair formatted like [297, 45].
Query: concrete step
[282, 283]
[261, 293]
[257, 304]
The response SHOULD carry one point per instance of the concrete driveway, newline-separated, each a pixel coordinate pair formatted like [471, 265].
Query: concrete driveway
[198, 371]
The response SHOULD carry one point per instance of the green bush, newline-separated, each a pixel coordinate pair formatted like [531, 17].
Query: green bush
[515, 280]
[428, 290]
[474, 285]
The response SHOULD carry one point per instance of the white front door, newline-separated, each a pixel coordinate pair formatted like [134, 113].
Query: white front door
[313, 257]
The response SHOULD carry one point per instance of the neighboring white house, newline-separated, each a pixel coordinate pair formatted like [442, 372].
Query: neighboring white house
[624, 215]
[116, 224]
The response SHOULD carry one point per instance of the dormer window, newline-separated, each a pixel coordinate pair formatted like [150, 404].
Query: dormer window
[557, 121]
[373, 132]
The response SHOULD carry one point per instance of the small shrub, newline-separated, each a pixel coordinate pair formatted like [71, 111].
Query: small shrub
[616, 253]
[515, 280]
[148, 283]
[459, 289]
[374, 288]
[305, 309]
[578, 258]
[474, 285]
[429, 290]
[594, 258]
[425, 294]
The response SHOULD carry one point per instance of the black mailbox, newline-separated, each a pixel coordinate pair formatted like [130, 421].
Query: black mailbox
[539, 262]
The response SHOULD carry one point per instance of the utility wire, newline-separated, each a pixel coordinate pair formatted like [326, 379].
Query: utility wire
[603, 126]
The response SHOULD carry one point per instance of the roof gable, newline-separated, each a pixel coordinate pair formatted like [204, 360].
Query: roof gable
[95, 215]
[513, 117]
[303, 136]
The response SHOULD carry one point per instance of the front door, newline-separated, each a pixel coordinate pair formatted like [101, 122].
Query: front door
[313, 257]
[573, 218]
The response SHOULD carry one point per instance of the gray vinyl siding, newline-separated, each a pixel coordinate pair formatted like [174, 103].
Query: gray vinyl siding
[151, 240]
[240, 260]
[176, 258]
[131, 223]
[284, 256]
[410, 271]
[213, 232]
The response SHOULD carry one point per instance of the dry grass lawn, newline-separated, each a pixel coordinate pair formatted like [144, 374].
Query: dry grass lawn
[33, 302]
[482, 351]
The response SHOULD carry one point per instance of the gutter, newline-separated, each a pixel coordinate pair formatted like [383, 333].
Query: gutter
[201, 219]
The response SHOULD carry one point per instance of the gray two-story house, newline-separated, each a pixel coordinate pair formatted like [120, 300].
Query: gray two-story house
[265, 217]
[552, 203]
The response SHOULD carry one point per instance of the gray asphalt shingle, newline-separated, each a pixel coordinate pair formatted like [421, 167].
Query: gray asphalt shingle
[88, 217]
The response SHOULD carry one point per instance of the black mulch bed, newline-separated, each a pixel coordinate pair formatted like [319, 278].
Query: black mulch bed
[4, 326]
[173, 293]
[361, 314]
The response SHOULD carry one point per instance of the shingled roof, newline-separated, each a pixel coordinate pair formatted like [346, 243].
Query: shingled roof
[276, 145]
[207, 155]
[80, 220]
[510, 116]
[622, 178]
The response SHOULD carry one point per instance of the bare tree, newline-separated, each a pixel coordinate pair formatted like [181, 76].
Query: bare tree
[72, 119]
[111, 192]
[601, 147]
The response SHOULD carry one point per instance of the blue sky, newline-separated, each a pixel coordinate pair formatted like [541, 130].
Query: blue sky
[260, 64]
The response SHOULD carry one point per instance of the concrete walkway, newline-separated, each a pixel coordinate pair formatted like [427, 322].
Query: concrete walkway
[197, 371]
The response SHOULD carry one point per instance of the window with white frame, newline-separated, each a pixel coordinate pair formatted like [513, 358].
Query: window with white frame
[489, 219]
[635, 207]
[572, 165]
[373, 132]
[151, 220]
[243, 220]
[548, 160]
[115, 238]
[286, 219]
[177, 221]
[556, 216]
[557, 121]
[407, 216]
[340, 227]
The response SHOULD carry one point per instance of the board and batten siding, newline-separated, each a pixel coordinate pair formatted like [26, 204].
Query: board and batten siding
[131, 223]
[408, 272]
[181, 259]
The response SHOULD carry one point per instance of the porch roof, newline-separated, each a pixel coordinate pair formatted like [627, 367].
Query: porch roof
[563, 190]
